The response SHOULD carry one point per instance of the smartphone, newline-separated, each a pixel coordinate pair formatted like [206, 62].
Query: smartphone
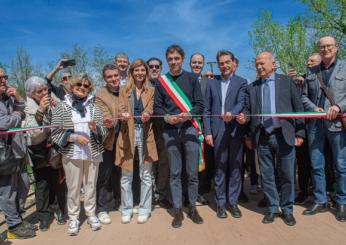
[291, 66]
[66, 63]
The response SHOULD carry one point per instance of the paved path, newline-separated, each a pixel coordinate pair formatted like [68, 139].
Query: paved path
[318, 229]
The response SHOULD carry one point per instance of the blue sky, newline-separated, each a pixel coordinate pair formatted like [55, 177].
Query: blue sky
[140, 28]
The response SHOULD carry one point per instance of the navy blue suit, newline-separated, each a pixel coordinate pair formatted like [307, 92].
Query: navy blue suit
[227, 137]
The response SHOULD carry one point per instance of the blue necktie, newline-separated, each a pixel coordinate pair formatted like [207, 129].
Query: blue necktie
[267, 121]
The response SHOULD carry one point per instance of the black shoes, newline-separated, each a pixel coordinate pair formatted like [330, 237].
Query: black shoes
[269, 218]
[20, 232]
[178, 218]
[194, 216]
[44, 225]
[202, 200]
[235, 211]
[341, 213]
[59, 216]
[289, 219]
[30, 226]
[316, 208]
[221, 212]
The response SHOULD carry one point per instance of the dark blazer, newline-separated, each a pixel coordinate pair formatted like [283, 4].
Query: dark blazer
[234, 103]
[337, 86]
[287, 99]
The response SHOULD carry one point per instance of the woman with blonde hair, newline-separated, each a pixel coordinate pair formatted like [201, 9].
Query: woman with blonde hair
[80, 140]
[136, 107]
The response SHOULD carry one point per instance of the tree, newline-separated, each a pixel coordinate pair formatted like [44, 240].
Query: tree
[21, 69]
[327, 17]
[99, 60]
[289, 44]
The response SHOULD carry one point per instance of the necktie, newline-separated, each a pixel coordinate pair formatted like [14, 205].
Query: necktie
[267, 121]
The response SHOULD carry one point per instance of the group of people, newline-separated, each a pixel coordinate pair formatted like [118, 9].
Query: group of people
[183, 131]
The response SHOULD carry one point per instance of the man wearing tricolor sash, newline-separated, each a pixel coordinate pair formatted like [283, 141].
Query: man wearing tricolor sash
[178, 96]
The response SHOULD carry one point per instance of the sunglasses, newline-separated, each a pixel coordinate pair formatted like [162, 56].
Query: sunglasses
[83, 85]
[154, 66]
[5, 77]
[66, 78]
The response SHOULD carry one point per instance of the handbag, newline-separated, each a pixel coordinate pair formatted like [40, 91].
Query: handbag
[8, 163]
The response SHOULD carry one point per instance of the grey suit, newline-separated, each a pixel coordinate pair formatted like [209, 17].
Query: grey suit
[321, 130]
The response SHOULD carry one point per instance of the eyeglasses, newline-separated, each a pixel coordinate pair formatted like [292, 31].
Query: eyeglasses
[66, 78]
[209, 75]
[197, 62]
[5, 77]
[327, 46]
[83, 85]
[154, 66]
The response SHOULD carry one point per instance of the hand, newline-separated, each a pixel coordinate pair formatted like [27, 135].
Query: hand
[59, 66]
[333, 112]
[227, 117]
[82, 140]
[300, 81]
[145, 117]
[126, 116]
[318, 109]
[108, 122]
[44, 104]
[241, 118]
[209, 140]
[92, 126]
[298, 141]
[173, 120]
[248, 142]
[11, 91]
[53, 102]
[292, 72]
[184, 116]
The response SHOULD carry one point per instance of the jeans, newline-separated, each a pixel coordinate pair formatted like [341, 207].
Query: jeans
[270, 146]
[317, 138]
[13, 189]
[145, 173]
[182, 142]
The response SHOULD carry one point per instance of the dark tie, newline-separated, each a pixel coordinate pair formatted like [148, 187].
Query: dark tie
[267, 121]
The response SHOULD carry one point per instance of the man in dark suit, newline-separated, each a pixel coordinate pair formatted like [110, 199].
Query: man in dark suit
[333, 74]
[226, 97]
[274, 137]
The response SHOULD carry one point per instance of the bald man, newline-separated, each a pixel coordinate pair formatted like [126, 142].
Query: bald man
[332, 71]
[275, 138]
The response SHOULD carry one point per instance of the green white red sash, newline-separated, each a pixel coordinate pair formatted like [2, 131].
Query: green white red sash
[181, 100]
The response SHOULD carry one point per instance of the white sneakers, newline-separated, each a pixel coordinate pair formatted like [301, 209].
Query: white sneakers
[73, 227]
[94, 223]
[125, 219]
[104, 218]
[141, 219]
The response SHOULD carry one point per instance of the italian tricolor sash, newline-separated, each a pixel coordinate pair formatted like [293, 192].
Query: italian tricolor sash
[181, 100]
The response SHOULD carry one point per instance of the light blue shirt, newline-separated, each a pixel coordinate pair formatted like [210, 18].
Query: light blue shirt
[271, 82]
[224, 88]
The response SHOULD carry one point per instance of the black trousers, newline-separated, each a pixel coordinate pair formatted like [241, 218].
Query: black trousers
[303, 167]
[108, 182]
[50, 193]
[205, 178]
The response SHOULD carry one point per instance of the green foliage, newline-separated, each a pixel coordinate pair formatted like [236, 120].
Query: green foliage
[288, 43]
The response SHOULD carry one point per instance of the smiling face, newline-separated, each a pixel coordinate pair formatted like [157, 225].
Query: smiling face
[3, 81]
[197, 64]
[139, 74]
[154, 69]
[175, 62]
[265, 65]
[112, 79]
[122, 63]
[81, 88]
[226, 66]
[328, 49]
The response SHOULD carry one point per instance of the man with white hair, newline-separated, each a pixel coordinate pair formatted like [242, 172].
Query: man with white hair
[273, 137]
[123, 63]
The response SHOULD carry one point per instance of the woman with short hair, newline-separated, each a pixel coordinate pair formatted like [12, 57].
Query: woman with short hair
[80, 140]
[136, 107]
[38, 106]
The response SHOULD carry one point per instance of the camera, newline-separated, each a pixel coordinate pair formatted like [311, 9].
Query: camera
[66, 63]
